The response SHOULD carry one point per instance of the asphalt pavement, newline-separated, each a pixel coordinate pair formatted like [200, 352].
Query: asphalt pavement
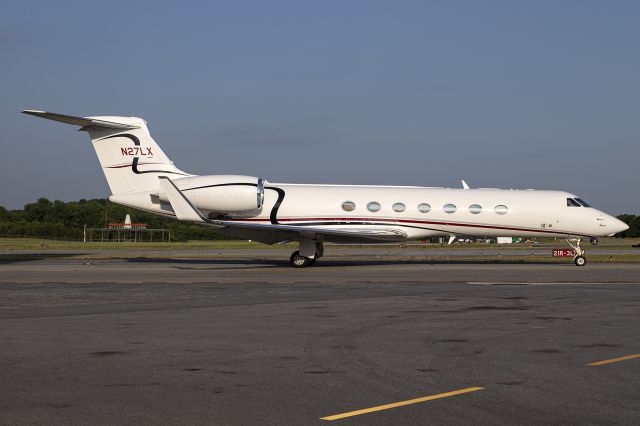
[249, 341]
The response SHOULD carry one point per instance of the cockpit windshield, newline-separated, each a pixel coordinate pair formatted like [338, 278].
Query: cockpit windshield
[582, 202]
[577, 202]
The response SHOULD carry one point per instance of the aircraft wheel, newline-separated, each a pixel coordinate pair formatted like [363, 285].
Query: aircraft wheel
[580, 260]
[298, 261]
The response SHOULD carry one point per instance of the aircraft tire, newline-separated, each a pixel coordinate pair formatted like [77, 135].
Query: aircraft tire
[298, 261]
[580, 260]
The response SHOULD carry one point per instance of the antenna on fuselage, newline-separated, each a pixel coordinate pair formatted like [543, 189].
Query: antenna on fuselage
[464, 185]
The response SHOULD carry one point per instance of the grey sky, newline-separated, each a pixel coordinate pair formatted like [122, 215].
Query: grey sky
[503, 94]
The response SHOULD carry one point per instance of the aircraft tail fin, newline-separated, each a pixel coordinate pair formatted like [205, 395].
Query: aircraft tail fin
[131, 160]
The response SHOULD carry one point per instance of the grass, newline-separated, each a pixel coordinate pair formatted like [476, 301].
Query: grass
[42, 248]
[11, 244]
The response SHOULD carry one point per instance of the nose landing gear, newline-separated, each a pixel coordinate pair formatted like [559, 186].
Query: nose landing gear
[579, 259]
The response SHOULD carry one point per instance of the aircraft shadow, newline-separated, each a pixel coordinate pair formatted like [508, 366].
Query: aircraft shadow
[333, 263]
[15, 258]
[266, 262]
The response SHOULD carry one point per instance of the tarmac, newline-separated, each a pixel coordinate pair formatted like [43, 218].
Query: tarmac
[254, 341]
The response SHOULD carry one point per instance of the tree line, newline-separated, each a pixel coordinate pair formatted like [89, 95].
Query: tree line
[634, 226]
[57, 219]
[65, 220]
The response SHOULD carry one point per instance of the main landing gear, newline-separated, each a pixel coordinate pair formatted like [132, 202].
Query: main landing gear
[299, 261]
[579, 259]
[310, 251]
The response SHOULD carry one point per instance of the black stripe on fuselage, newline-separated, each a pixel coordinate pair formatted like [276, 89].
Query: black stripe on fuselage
[133, 138]
[273, 215]
[134, 169]
[220, 184]
[134, 163]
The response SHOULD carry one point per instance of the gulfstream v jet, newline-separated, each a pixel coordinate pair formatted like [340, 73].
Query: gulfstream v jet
[140, 175]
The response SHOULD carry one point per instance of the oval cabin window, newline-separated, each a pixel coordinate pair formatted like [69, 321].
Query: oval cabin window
[348, 206]
[424, 208]
[399, 207]
[501, 209]
[449, 208]
[475, 208]
[373, 206]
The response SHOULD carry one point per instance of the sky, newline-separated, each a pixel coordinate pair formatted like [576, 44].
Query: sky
[509, 94]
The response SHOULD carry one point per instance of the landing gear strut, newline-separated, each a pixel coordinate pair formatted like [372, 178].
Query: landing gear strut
[310, 251]
[579, 259]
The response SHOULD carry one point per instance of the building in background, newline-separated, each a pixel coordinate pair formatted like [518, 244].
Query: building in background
[127, 232]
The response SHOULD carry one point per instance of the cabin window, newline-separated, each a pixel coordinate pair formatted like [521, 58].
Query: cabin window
[348, 206]
[424, 208]
[399, 207]
[572, 203]
[583, 202]
[373, 206]
[449, 208]
[500, 209]
[475, 208]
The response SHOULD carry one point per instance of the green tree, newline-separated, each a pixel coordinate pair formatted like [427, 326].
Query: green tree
[58, 219]
[634, 226]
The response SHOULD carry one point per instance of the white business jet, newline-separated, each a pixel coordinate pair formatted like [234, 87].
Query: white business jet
[140, 175]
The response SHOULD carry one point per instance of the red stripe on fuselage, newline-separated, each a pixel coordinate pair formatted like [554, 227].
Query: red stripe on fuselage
[401, 221]
[121, 166]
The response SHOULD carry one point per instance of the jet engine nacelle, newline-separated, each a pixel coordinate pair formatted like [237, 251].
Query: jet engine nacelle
[222, 193]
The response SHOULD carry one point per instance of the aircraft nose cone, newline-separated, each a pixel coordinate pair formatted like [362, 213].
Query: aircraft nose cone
[618, 226]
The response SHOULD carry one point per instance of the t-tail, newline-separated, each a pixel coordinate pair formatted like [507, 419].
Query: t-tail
[131, 160]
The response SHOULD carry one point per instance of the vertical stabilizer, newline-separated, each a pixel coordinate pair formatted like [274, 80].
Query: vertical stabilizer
[131, 160]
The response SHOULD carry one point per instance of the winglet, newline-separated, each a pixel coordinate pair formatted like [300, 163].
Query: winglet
[464, 185]
[181, 205]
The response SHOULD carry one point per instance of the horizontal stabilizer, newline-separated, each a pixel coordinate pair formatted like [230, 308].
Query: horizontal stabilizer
[80, 121]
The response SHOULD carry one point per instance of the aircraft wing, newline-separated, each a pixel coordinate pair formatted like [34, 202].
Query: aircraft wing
[273, 233]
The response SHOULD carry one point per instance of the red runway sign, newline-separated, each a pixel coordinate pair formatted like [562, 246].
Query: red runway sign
[564, 253]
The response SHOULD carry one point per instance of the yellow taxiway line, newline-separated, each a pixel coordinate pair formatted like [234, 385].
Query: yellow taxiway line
[400, 404]
[609, 361]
